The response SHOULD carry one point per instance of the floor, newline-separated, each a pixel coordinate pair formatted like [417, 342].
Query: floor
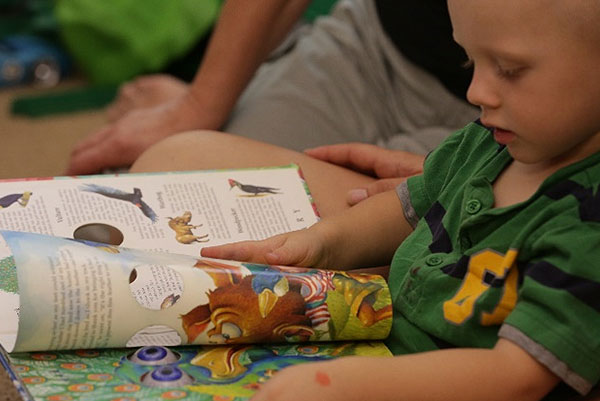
[38, 147]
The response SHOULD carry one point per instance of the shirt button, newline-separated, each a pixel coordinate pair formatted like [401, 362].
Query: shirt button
[473, 206]
[412, 298]
[434, 260]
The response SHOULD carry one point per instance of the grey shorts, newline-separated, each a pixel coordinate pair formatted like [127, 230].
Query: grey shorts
[344, 81]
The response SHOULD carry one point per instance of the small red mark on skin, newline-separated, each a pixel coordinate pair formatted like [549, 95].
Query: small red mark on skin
[322, 379]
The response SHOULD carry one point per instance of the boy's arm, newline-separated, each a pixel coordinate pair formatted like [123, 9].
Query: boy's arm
[504, 373]
[364, 235]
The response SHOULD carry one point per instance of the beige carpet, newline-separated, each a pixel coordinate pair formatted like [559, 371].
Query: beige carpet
[36, 147]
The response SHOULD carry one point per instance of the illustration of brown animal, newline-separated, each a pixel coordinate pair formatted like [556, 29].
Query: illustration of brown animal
[183, 229]
[235, 310]
[271, 307]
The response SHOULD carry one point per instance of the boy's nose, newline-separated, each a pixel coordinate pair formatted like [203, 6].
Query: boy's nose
[481, 91]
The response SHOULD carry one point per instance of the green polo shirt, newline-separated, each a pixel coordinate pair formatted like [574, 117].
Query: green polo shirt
[471, 273]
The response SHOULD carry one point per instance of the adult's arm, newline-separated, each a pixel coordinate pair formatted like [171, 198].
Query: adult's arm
[246, 32]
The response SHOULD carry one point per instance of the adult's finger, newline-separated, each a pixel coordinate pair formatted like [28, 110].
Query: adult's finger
[95, 158]
[110, 147]
[360, 157]
[359, 194]
[370, 159]
[91, 140]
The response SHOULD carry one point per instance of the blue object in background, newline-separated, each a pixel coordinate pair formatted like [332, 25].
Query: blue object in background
[28, 59]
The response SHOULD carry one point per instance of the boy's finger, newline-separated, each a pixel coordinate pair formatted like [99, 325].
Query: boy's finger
[282, 256]
[236, 251]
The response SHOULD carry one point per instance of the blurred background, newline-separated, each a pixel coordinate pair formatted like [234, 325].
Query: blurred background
[62, 61]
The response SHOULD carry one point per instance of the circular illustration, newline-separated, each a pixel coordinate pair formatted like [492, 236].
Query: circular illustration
[155, 286]
[99, 232]
[152, 335]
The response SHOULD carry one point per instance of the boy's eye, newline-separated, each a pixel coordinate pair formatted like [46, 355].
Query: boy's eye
[502, 71]
[509, 73]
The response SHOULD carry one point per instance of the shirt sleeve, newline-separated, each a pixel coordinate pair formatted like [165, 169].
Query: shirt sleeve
[557, 316]
[418, 193]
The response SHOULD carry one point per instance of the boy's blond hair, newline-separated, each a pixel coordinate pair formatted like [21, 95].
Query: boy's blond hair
[580, 18]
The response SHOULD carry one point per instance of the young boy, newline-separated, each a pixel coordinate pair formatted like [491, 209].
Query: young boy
[495, 284]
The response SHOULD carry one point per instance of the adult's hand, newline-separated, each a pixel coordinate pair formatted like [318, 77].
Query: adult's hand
[120, 143]
[244, 35]
[391, 167]
[143, 92]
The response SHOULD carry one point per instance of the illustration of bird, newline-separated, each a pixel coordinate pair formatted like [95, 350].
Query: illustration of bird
[269, 287]
[21, 199]
[134, 197]
[252, 189]
[169, 301]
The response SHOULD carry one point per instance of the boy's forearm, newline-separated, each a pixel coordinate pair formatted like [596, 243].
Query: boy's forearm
[366, 234]
[246, 32]
[457, 374]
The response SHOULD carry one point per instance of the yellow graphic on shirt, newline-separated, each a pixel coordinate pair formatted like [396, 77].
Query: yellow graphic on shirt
[460, 308]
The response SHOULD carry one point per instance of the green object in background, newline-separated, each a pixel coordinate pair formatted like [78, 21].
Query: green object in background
[91, 97]
[117, 40]
[29, 17]
[318, 8]
[98, 96]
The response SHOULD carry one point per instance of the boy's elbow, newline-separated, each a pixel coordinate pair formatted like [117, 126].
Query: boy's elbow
[531, 380]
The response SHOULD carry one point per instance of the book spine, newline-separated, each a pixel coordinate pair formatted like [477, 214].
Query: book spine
[14, 378]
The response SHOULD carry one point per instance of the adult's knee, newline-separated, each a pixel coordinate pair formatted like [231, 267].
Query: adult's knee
[181, 151]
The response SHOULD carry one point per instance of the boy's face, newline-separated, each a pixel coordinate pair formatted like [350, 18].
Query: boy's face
[536, 74]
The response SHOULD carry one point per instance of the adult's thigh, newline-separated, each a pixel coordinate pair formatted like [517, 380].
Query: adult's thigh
[203, 150]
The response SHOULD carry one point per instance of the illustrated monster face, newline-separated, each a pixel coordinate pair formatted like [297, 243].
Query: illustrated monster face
[238, 315]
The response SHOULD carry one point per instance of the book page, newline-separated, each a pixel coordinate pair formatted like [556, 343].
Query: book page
[9, 297]
[80, 295]
[205, 373]
[170, 212]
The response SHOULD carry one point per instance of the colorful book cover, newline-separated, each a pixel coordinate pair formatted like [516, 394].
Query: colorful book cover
[203, 373]
[59, 294]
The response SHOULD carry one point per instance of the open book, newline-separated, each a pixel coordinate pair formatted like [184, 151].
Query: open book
[69, 305]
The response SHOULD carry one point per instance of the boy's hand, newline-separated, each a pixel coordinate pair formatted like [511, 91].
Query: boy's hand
[299, 248]
[391, 166]
[311, 381]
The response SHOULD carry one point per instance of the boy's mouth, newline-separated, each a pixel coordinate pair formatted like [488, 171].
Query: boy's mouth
[503, 137]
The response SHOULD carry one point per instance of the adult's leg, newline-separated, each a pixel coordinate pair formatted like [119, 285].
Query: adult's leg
[345, 81]
[200, 150]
